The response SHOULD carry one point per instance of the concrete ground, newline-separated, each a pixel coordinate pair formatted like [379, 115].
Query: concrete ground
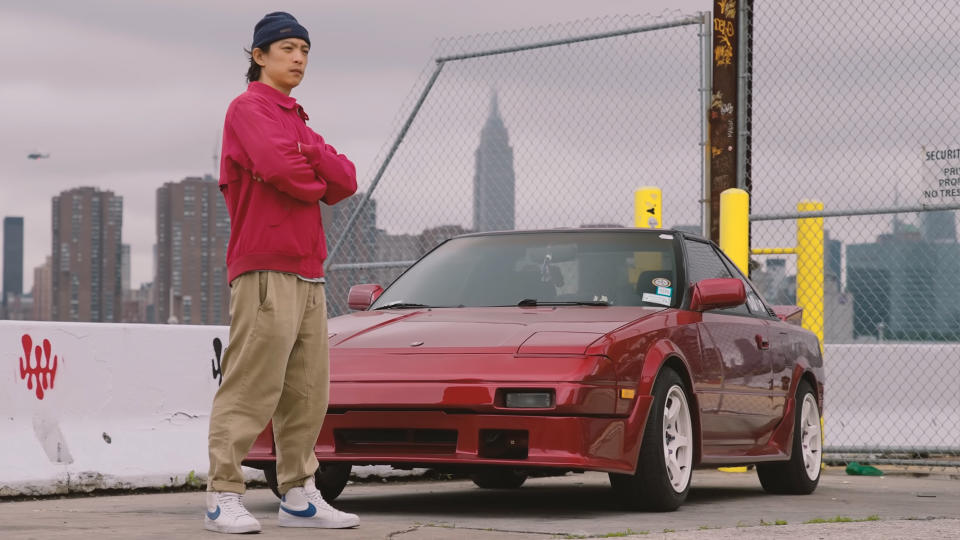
[720, 505]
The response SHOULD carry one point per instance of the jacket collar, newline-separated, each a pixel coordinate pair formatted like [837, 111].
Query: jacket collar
[272, 94]
[277, 97]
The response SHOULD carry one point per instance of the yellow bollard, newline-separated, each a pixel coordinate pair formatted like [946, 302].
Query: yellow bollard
[810, 268]
[647, 211]
[735, 242]
[735, 227]
[647, 214]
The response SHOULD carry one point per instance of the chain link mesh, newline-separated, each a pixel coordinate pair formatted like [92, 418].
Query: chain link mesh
[857, 108]
[851, 107]
[552, 136]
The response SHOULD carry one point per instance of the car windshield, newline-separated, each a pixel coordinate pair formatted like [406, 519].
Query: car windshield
[620, 268]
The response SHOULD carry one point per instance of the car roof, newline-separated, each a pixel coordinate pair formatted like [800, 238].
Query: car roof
[571, 230]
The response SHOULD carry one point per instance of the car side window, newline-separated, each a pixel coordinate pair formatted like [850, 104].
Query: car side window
[703, 262]
[754, 303]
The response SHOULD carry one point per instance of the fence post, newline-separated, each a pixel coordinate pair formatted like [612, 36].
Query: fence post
[735, 227]
[810, 268]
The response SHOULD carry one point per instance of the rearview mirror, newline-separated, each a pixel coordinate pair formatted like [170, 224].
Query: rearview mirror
[717, 294]
[361, 296]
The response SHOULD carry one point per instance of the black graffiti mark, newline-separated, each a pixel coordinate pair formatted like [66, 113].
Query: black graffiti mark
[215, 362]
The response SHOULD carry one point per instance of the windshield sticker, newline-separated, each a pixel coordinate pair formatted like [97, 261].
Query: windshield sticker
[661, 282]
[665, 291]
[666, 237]
[656, 299]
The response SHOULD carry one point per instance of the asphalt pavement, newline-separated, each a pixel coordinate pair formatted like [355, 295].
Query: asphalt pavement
[721, 505]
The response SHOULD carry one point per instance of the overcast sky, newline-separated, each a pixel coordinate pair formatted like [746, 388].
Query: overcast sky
[126, 95]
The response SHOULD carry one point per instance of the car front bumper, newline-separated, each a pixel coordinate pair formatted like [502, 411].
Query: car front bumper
[438, 438]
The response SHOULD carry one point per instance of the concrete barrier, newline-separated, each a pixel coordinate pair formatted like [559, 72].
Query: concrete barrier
[112, 406]
[100, 406]
[87, 406]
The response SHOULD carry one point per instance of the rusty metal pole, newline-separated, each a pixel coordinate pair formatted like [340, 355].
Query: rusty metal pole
[723, 108]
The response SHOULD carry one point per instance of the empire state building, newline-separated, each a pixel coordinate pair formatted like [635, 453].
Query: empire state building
[494, 181]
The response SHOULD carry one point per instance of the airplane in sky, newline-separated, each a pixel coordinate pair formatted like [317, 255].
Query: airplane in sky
[37, 155]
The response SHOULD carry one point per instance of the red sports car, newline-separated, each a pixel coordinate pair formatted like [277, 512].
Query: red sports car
[641, 353]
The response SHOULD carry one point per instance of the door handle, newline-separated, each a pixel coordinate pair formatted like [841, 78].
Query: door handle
[762, 342]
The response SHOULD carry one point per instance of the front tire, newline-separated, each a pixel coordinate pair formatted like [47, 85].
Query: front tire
[330, 479]
[801, 474]
[499, 479]
[662, 480]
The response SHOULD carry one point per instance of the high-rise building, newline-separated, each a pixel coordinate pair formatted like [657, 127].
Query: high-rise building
[193, 228]
[897, 284]
[494, 181]
[85, 273]
[125, 269]
[42, 291]
[12, 257]
[939, 227]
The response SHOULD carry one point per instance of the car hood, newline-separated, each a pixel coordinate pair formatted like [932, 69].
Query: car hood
[479, 330]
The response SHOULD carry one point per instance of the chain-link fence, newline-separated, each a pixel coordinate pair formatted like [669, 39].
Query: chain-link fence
[852, 107]
[857, 108]
[545, 127]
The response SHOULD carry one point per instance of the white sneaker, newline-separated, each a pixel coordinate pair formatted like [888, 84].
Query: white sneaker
[226, 514]
[305, 507]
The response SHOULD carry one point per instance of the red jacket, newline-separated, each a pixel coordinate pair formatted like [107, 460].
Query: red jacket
[273, 172]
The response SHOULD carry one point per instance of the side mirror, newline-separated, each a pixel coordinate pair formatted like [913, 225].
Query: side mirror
[717, 293]
[361, 296]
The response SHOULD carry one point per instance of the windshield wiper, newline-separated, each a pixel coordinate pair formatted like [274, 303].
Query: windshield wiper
[403, 305]
[527, 302]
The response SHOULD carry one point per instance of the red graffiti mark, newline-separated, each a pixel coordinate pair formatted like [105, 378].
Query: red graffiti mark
[38, 370]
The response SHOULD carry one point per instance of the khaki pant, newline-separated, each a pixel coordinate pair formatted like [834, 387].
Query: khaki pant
[276, 365]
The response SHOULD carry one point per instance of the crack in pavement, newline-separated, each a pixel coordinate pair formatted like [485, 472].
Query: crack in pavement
[405, 531]
[484, 529]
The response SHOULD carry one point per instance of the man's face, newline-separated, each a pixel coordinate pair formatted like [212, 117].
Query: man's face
[284, 65]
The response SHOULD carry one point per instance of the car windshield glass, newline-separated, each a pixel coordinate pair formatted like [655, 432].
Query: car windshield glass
[589, 268]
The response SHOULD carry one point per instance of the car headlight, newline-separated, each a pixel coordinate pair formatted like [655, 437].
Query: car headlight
[528, 399]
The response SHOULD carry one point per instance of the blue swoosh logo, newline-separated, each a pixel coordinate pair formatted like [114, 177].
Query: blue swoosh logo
[214, 515]
[310, 511]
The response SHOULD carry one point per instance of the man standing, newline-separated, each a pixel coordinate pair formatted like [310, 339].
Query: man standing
[273, 173]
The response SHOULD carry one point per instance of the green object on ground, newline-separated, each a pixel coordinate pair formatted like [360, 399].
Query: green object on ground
[856, 469]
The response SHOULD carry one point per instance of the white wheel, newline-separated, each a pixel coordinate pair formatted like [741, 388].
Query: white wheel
[801, 473]
[810, 437]
[677, 439]
[662, 479]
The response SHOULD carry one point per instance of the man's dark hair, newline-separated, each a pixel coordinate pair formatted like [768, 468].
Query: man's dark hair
[253, 72]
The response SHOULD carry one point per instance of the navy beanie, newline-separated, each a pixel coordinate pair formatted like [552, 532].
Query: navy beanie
[276, 26]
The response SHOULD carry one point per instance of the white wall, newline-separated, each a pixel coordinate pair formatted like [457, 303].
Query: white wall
[892, 395]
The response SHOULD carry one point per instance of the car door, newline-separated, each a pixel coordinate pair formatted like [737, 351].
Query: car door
[735, 414]
[779, 344]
